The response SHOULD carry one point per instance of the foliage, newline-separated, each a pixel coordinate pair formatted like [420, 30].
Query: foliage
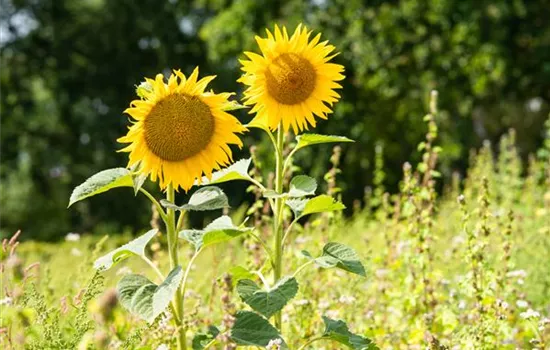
[66, 88]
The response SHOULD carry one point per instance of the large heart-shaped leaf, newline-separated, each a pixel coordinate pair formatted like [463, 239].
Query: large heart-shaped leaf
[305, 140]
[145, 299]
[301, 186]
[319, 204]
[101, 182]
[135, 247]
[206, 198]
[236, 171]
[338, 330]
[252, 329]
[220, 230]
[340, 256]
[267, 302]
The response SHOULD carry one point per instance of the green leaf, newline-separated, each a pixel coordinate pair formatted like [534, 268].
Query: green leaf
[297, 206]
[319, 204]
[338, 330]
[201, 340]
[206, 198]
[101, 182]
[135, 247]
[236, 171]
[341, 256]
[305, 140]
[252, 329]
[220, 230]
[239, 273]
[145, 299]
[301, 186]
[138, 180]
[267, 302]
[322, 203]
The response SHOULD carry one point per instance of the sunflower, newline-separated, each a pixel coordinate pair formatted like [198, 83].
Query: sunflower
[180, 132]
[292, 80]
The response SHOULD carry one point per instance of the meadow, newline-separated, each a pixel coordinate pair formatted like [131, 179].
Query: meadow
[467, 268]
[275, 174]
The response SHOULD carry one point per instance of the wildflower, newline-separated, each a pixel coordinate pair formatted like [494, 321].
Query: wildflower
[72, 237]
[76, 252]
[6, 301]
[517, 273]
[522, 304]
[179, 132]
[292, 81]
[529, 314]
[347, 299]
[274, 344]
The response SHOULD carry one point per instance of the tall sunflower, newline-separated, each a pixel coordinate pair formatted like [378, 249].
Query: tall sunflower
[180, 132]
[292, 81]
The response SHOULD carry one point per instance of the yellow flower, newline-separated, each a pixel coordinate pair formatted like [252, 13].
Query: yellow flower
[292, 80]
[180, 132]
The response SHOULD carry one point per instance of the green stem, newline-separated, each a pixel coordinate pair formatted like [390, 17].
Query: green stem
[289, 159]
[154, 267]
[157, 204]
[172, 236]
[288, 229]
[186, 274]
[309, 342]
[278, 217]
[302, 267]
[264, 245]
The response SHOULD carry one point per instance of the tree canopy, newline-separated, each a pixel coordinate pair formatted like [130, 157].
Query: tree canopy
[69, 68]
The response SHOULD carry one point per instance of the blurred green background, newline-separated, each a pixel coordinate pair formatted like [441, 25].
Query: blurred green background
[68, 70]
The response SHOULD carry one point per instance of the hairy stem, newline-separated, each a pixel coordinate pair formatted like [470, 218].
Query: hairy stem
[278, 217]
[174, 261]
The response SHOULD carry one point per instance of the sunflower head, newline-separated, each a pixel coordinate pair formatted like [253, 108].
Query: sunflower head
[179, 132]
[292, 80]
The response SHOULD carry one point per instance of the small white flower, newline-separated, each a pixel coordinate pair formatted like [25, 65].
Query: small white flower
[334, 314]
[6, 301]
[529, 314]
[324, 304]
[76, 252]
[347, 299]
[521, 281]
[274, 344]
[522, 304]
[462, 305]
[301, 302]
[163, 347]
[381, 273]
[72, 237]
[517, 273]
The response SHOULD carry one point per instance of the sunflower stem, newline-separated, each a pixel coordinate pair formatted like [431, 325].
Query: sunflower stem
[278, 217]
[171, 233]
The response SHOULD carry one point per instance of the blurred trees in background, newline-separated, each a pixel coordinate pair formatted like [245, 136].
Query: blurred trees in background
[69, 68]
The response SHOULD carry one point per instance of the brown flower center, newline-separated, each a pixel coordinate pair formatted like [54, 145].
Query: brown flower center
[290, 79]
[178, 127]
